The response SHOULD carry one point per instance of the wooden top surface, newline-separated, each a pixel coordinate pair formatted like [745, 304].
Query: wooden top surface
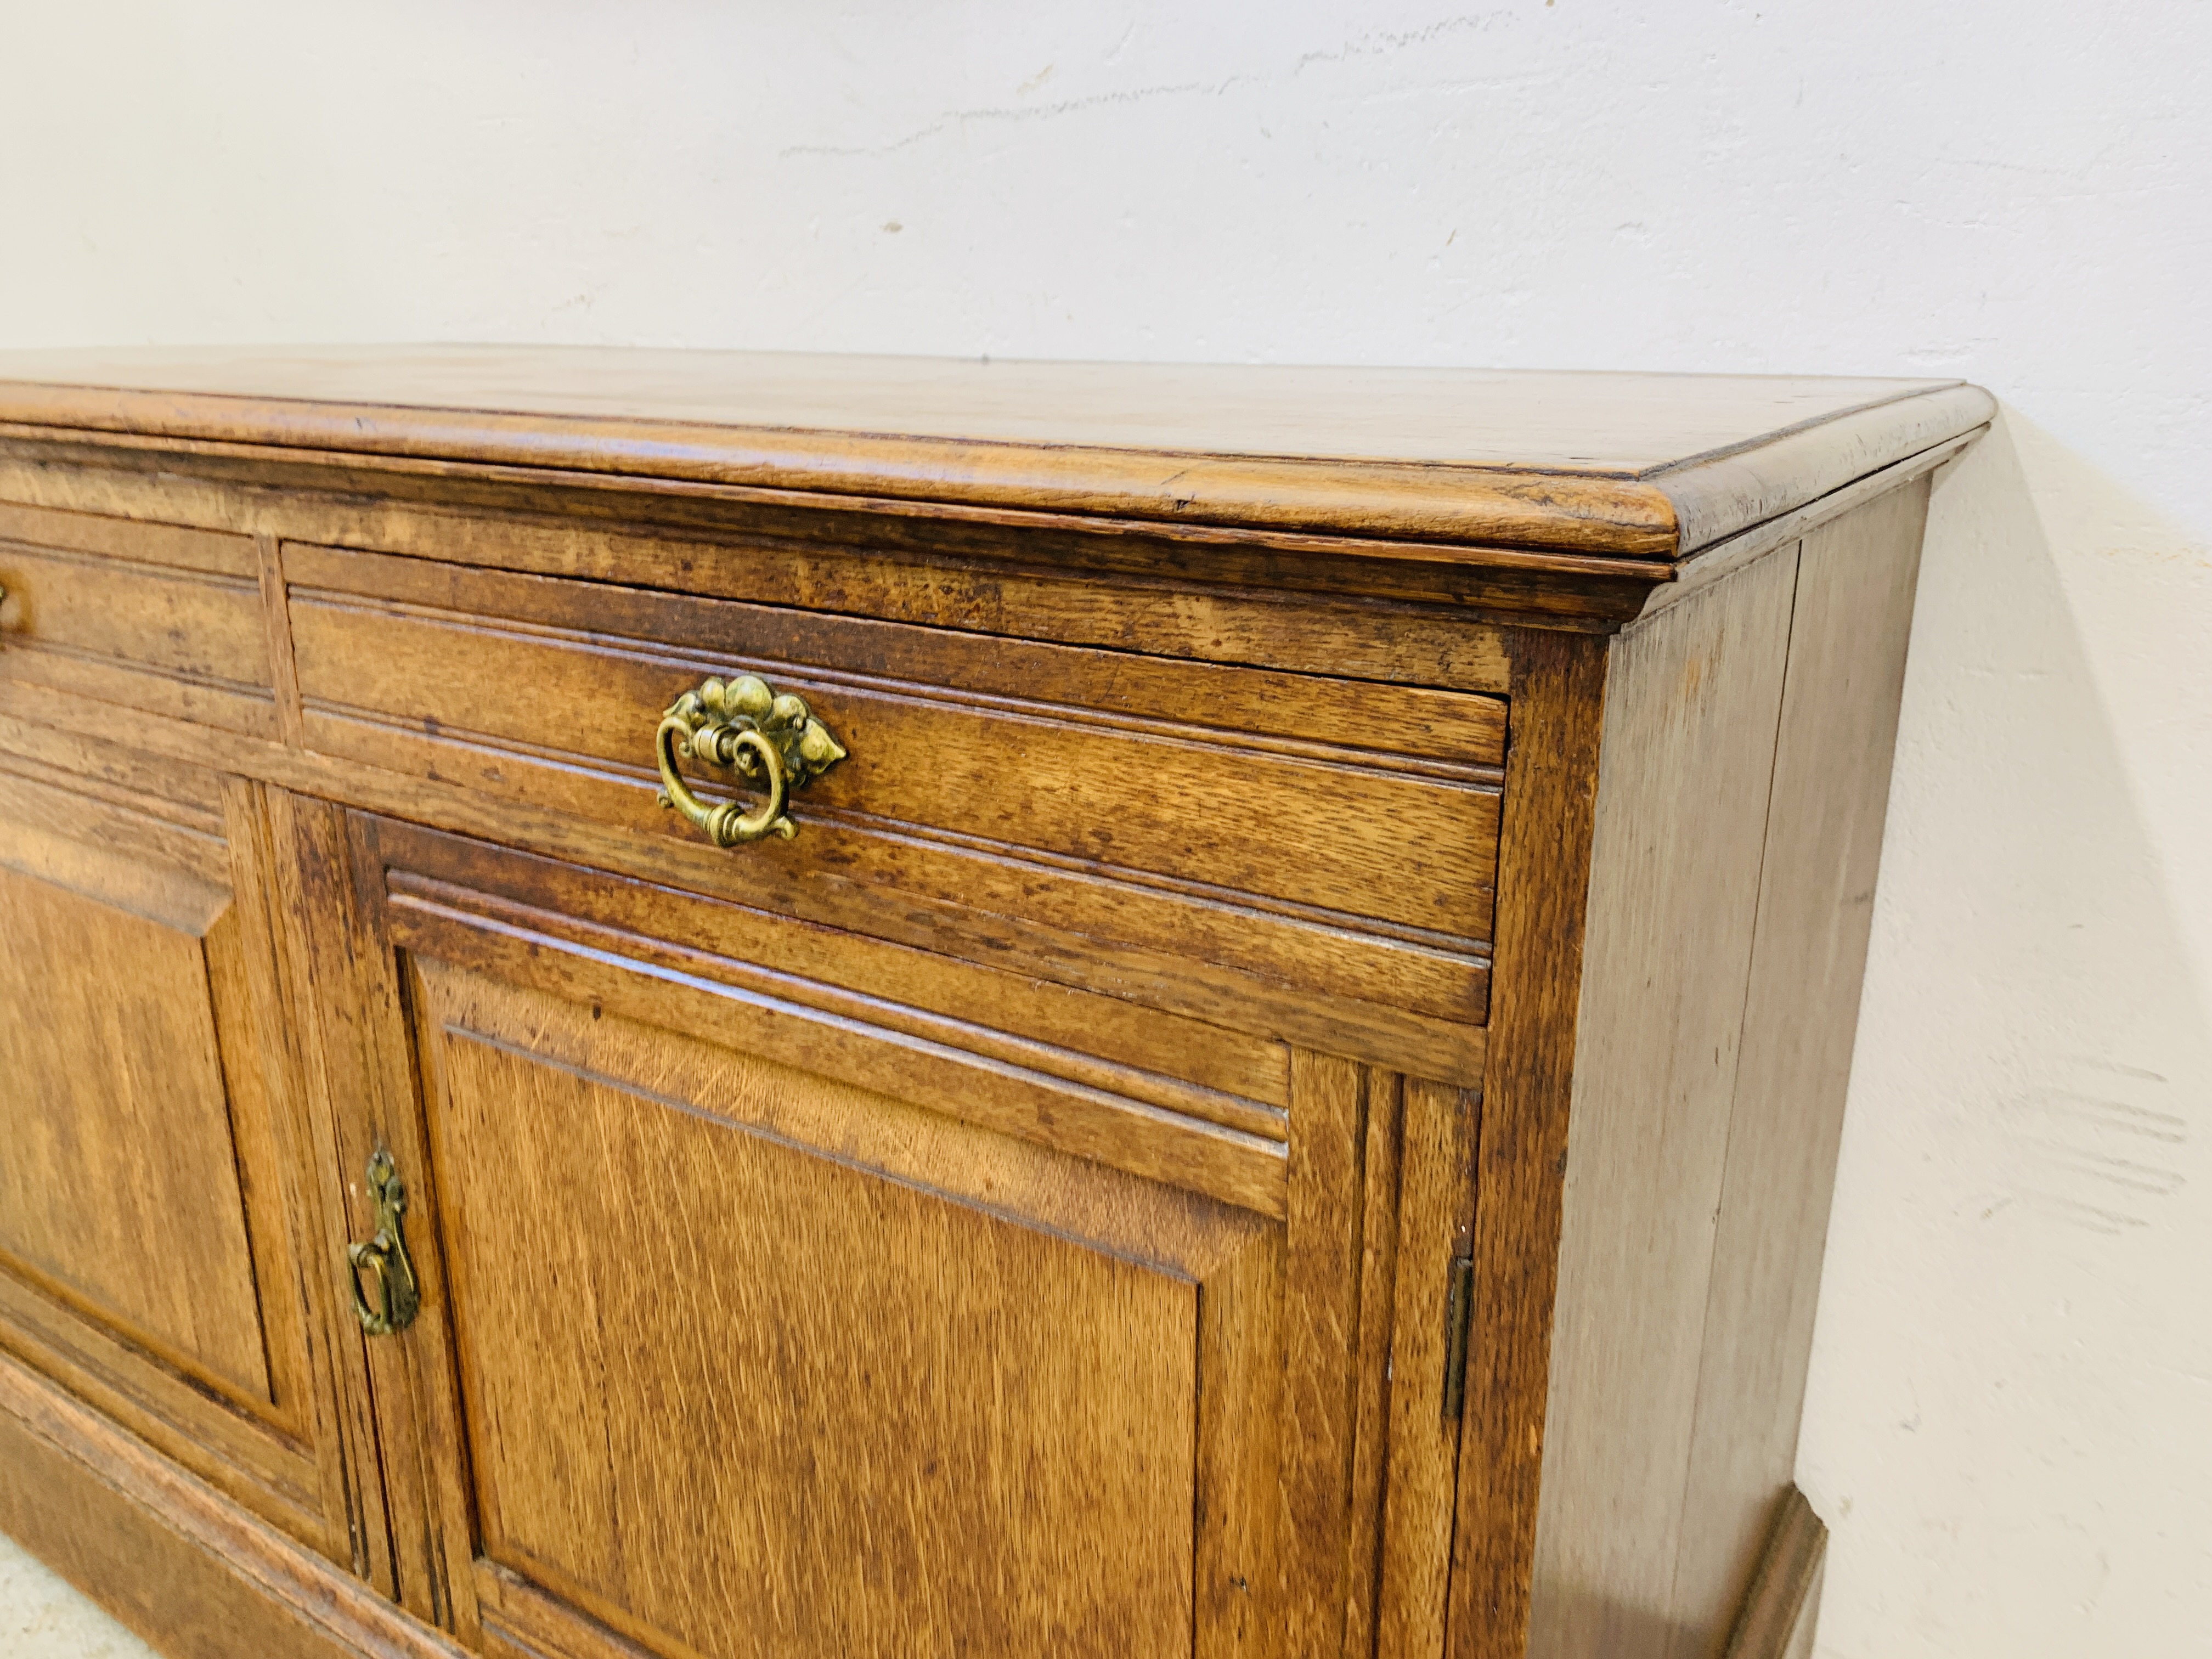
[1641, 465]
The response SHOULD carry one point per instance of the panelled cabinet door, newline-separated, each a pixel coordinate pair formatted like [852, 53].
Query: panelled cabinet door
[773, 1328]
[150, 1141]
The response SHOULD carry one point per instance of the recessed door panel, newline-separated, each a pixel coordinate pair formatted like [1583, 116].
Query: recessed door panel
[152, 1181]
[769, 1332]
[119, 1176]
[751, 1393]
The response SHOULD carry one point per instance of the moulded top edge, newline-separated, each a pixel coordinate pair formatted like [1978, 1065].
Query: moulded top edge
[1608, 464]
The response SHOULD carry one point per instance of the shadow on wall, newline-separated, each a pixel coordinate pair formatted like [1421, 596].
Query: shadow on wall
[2013, 1366]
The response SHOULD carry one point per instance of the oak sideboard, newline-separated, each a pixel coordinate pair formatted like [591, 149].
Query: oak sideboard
[711, 1005]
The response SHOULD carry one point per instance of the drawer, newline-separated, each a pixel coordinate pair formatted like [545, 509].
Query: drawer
[153, 616]
[1291, 854]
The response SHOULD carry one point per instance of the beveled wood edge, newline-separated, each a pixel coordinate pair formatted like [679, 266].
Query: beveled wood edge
[1716, 496]
[254, 1418]
[429, 894]
[442, 517]
[179, 1522]
[129, 857]
[272, 1474]
[1783, 1590]
[1082, 1119]
[1356, 540]
[1384, 753]
[522, 1621]
[1572, 511]
[1726, 558]
[1463, 514]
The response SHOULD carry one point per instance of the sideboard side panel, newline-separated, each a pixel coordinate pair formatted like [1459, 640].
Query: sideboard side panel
[1692, 698]
[1749, 736]
[1838, 740]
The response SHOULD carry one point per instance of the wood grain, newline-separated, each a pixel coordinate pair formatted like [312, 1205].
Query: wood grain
[143, 615]
[421, 1426]
[285, 1179]
[1373, 1366]
[1256, 1454]
[116, 1157]
[1726, 558]
[130, 539]
[1442, 455]
[1550, 784]
[50, 726]
[170, 1557]
[276, 618]
[1328, 1225]
[1014, 594]
[1693, 702]
[1783, 1604]
[768, 1236]
[109, 846]
[182, 797]
[157, 1177]
[1035, 586]
[1719, 496]
[1241, 1081]
[1852, 620]
[261, 1088]
[1115, 1128]
[1022, 1211]
[937, 747]
[1241, 704]
[811, 1411]
[318, 956]
[1435, 1225]
[1243, 1306]
[189, 625]
[1602, 423]
[1489, 584]
[124, 689]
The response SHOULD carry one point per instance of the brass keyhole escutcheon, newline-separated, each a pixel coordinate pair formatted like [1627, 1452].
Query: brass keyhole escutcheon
[384, 1258]
[771, 740]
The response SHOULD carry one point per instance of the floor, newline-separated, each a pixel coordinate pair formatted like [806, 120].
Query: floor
[43, 1618]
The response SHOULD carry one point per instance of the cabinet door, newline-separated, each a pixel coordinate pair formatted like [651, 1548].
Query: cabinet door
[761, 1317]
[150, 1150]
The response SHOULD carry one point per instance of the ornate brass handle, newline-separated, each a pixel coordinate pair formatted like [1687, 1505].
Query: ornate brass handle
[399, 1297]
[770, 740]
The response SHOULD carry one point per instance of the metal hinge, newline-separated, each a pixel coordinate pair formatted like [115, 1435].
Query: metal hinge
[1459, 1308]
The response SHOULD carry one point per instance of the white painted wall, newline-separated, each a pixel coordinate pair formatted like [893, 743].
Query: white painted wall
[2008, 1419]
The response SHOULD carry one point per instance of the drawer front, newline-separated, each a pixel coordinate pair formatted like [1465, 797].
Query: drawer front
[150, 616]
[1289, 854]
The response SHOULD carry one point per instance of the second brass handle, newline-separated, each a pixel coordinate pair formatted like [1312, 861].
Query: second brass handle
[770, 739]
[384, 1258]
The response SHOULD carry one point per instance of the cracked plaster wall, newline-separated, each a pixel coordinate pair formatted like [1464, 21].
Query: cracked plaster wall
[2008, 1419]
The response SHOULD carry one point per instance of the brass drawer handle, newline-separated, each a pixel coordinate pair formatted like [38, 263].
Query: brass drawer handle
[771, 740]
[384, 1258]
